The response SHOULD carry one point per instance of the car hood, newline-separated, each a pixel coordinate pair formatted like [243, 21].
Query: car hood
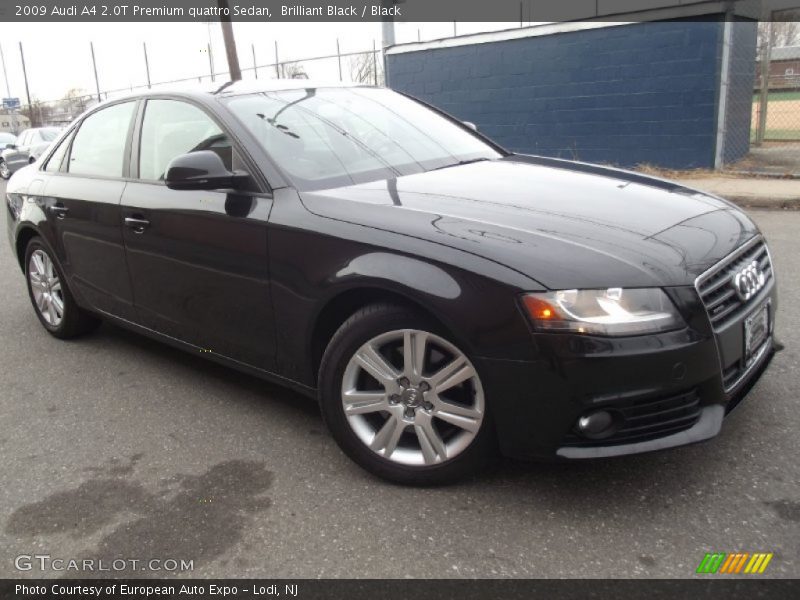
[563, 224]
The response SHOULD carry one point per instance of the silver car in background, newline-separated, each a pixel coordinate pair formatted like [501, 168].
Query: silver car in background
[30, 144]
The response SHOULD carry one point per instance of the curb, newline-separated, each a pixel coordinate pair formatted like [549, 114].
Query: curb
[761, 174]
[764, 203]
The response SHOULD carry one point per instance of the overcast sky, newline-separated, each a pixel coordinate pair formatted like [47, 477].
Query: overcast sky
[58, 58]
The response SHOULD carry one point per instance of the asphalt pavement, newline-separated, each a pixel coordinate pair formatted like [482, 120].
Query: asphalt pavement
[116, 447]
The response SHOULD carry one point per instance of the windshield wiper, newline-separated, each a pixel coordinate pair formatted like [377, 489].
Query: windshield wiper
[461, 162]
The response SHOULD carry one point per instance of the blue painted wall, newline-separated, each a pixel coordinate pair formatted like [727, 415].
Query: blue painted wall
[639, 93]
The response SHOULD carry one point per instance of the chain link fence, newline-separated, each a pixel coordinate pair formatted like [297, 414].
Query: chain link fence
[366, 66]
[761, 132]
[773, 144]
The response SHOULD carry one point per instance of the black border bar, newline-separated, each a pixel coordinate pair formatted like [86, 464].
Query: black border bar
[510, 11]
[708, 587]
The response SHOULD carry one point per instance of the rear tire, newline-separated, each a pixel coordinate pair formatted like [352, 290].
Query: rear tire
[5, 172]
[52, 300]
[402, 400]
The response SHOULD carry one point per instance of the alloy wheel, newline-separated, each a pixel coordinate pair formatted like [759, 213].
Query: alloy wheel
[48, 294]
[412, 397]
[4, 171]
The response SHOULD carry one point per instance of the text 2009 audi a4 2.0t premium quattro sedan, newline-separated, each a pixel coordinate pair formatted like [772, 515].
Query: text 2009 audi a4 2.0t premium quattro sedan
[440, 296]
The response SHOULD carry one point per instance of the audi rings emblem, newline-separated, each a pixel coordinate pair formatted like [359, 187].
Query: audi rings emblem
[748, 281]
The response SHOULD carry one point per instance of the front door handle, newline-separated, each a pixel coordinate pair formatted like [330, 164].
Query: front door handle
[138, 225]
[59, 210]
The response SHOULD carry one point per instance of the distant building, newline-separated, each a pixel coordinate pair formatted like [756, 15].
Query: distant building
[13, 122]
[784, 69]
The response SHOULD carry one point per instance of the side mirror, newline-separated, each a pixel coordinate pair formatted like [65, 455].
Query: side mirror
[471, 125]
[11, 146]
[203, 170]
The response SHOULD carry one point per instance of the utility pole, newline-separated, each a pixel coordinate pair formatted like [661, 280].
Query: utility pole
[387, 35]
[94, 66]
[255, 64]
[387, 30]
[277, 64]
[146, 64]
[230, 43]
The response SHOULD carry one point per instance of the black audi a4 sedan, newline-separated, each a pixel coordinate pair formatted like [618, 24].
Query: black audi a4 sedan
[441, 297]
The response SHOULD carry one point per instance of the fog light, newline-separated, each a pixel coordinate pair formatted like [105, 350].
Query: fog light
[597, 425]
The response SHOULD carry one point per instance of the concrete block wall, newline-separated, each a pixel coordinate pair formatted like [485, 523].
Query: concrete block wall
[626, 94]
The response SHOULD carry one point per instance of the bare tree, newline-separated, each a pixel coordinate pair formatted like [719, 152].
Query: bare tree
[292, 70]
[782, 32]
[362, 68]
[74, 102]
[38, 112]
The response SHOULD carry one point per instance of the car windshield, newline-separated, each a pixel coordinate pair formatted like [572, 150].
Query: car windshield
[49, 133]
[329, 137]
[7, 138]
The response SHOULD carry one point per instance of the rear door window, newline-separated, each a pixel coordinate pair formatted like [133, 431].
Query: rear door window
[99, 146]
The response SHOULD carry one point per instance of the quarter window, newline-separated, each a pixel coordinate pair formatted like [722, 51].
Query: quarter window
[172, 128]
[54, 162]
[99, 145]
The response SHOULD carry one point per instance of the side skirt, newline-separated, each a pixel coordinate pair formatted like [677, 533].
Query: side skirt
[217, 358]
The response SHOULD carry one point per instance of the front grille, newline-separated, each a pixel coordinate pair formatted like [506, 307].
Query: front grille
[715, 285]
[646, 419]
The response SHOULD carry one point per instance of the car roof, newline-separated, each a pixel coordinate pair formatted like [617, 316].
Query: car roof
[275, 85]
[238, 88]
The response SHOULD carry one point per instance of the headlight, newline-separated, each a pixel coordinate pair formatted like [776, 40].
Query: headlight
[614, 311]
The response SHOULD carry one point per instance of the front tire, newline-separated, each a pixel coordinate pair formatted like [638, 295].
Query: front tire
[5, 172]
[51, 298]
[402, 400]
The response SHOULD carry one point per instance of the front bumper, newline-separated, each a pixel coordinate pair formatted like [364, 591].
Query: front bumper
[669, 389]
[707, 425]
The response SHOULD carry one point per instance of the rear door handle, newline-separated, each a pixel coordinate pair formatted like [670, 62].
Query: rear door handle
[138, 225]
[59, 210]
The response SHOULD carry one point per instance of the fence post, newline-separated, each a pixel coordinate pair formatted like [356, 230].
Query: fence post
[763, 99]
[724, 88]
[375, 61]
[339, 56]
[255, 64]
[25, 74]
[12, 112]
[94, 66]
[210, 61]
[277, 63]
[146, 64]
[5, 73]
